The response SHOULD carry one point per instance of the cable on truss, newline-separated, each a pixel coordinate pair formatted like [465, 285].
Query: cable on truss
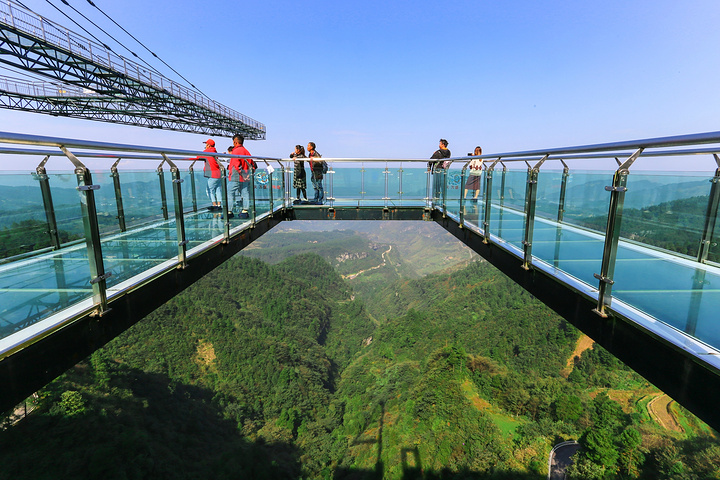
[109, 35]
[143, 45]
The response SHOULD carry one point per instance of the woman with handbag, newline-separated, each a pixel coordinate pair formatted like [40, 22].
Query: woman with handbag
[474, 174]
[299, 177]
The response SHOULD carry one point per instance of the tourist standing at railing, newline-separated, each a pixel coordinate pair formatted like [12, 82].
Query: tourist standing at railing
[474, 173]
[317, 169]
[438, 166]
[439, 154]
[299, 177]
[211, 170]
[240, 176]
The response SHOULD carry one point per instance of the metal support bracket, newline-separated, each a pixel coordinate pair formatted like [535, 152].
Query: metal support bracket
[609, 281]
[98, 279]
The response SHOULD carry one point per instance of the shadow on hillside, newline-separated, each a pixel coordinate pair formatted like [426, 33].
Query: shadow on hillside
[412, 466]
[413, 473]
[143, 426]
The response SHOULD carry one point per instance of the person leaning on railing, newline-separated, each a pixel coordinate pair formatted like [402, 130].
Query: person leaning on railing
[438, 166]
[211, 170]
[241, 172]
[317, 169]
[474, 174]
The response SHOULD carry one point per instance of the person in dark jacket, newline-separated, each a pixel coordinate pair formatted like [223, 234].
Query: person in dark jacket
[299, 177]
[439, 154]
[437, 168]
[317, 168]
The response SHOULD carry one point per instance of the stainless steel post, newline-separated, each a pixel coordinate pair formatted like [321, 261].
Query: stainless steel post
[561, 213]
[163, 194]
[179, 215]
[612, 234]
[488, 200]
[225, 207]
[563, 189]
[530, 201]
[191, 172]
[386, 198]
[462, 194]
[710, 215]
[98, 276]
[52, 226]
[118, 195]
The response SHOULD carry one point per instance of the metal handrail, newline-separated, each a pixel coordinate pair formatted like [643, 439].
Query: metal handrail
[587, 152]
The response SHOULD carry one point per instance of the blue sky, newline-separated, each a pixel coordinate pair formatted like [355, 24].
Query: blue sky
[375, 79]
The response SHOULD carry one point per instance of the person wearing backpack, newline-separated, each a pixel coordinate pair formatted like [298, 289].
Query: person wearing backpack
[318, 168]
[438, 167]
[240, 176]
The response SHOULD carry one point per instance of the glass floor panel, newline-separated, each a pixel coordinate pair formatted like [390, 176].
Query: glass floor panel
[36, 287]
[677, 291]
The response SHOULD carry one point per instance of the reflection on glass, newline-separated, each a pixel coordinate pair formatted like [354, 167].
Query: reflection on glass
[23, 225]
[667, 211]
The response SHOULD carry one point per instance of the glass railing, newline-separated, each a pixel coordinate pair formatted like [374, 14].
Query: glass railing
[642, 242]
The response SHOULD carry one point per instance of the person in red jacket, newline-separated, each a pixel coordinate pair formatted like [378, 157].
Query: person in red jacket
[211, 171]
[240, 175]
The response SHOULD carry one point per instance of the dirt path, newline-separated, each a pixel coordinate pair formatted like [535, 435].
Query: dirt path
[583, 343]
[659, 410]
[350, 276]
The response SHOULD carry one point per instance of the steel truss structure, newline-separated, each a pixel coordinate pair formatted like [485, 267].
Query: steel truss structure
[96, 84]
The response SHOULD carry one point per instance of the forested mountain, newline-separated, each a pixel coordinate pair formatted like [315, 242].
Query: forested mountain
[284, 371]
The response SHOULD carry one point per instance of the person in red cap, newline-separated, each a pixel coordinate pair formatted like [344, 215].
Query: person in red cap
[212, 173]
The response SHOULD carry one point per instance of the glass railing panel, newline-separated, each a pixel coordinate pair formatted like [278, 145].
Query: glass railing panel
[202, 225]
[66, 201]
[347, 184]
[262, 190]
[507, 215]
[105, 203]
[412, 184]
[515, 186]
[140, 197]
[200, 189]
[548, 194]
[586, 200]
[167, 178]
[394, 172]
[23, 226]
[714, 249]
[373, 193]
[278, 187]
[666, 210]
[454, 188]
[576, 251]
[474, 202]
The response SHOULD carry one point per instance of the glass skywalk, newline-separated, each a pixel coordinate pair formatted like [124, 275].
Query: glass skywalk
[642, 245]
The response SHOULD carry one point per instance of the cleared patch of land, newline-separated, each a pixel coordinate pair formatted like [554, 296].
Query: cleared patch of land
[659, 410]
[583, 343]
